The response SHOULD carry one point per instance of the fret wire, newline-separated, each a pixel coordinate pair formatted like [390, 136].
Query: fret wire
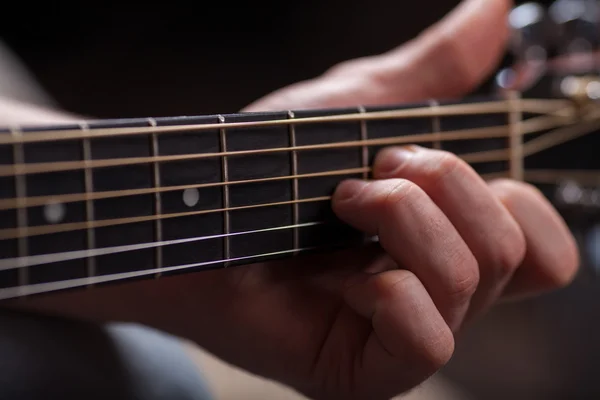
[542, 106]
[8, 263]
[158, 252]
[89, 204]
[294, 162]
[364, 137]
[529, 126]
[436, 125]
[73, 283]
[225, 179]
[515, 137]
[21, 193]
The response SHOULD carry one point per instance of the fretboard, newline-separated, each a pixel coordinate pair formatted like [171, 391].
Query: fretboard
[105, 201]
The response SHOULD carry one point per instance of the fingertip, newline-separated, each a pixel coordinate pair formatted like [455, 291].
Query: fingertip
[552, 259]
[390, 159]
[406, 320]
[348, 190]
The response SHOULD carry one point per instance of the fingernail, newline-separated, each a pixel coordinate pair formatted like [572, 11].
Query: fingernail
[349, 189]
[392, 159]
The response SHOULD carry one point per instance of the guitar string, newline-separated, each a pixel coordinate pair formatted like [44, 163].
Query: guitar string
[492, 155]
[18, 262]
[11, 233]
[563, 135]
[8, 204]
[15, 291]
[28, 261]
[31, 289]
[526, 127]
[14, 233]
[542, 106]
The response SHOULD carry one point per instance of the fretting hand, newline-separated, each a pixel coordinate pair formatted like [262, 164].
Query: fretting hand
[344, 327]
[361, 324]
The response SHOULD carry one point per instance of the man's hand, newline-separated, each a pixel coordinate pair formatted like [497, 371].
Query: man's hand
[361, 324]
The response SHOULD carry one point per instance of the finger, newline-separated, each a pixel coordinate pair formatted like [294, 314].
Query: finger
[552, 257]
[490, 231]
[448, 59]
[417, 235]
[410, 340]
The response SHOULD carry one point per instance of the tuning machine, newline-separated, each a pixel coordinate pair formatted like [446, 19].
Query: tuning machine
[552, 46]
[531, 41]
[532, 33]
[578, 25]
[572, 195]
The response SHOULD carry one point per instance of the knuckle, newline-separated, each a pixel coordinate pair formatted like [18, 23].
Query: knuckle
[464, 279]
[355, 67]
[339, 68]
[398, 192]
[511, 249]
[383, 80]
[509, 189]
[388, 284]
[457, 69]
[442, 166]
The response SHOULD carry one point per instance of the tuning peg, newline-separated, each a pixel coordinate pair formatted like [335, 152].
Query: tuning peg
[531, 32]
[578, 25]
[572, 194]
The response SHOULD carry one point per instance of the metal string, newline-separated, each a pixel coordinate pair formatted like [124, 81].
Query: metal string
[21, 262]
[27, 290]
[541, 106]
[529, 126]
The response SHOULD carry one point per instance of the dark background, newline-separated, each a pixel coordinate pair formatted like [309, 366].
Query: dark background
[120, 59]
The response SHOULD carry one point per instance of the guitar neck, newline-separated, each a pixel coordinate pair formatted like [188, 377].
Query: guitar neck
[106, 201]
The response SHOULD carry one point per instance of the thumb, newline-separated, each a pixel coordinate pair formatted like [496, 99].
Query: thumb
[447, 60]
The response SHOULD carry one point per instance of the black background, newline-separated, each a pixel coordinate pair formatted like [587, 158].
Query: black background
[121, 59]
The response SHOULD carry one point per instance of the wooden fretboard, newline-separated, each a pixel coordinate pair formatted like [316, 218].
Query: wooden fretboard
[104, 201]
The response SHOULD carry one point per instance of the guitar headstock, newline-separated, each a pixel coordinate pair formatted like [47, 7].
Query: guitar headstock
[556, 52]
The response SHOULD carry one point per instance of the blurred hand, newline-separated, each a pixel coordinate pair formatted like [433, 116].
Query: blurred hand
[366, 324]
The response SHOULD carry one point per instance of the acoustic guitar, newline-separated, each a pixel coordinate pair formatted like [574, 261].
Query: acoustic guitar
[107, 201]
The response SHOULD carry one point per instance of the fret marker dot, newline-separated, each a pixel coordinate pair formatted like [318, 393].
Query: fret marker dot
[191, 197]
[54, 212]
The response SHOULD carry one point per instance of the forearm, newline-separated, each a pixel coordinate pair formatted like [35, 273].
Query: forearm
[13, 112]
